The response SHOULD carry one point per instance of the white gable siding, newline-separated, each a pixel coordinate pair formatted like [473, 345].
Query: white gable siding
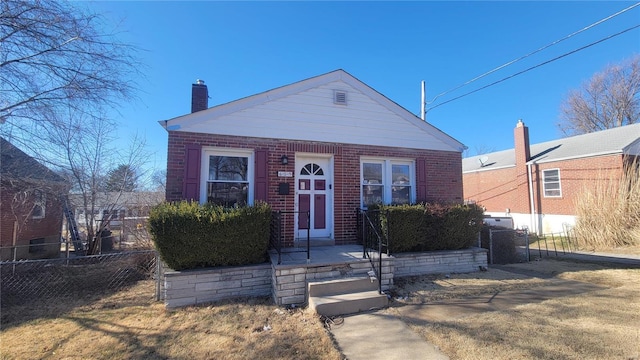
[312, 115]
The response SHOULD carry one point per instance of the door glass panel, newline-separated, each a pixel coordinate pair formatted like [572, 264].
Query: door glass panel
[311, 169]
[304, 184]
[319, 185]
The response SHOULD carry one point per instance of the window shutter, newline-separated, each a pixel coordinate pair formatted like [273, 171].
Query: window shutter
[191, 180]
[421, 180]
[262, 176]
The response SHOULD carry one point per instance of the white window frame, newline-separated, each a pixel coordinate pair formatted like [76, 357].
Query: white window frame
[387, 164]
[545, 182]
[215, 151]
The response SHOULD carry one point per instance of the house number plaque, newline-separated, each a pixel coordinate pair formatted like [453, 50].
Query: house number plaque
[285, 174]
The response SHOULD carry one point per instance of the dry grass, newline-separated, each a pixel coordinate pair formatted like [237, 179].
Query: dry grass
[602, 324]
[608, 211]
[128, 325]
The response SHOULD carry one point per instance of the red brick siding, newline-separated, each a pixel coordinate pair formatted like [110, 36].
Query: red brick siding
[500, 189]
[444, 169]
[48, 227]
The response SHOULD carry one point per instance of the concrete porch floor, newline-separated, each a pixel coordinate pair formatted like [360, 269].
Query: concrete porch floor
[319, 255]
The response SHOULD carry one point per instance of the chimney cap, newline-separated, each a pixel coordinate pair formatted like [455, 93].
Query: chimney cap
[199, 82]
[520, 123]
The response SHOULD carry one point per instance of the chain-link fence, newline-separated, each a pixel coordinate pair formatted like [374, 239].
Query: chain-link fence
[506, 246]
[76, 277]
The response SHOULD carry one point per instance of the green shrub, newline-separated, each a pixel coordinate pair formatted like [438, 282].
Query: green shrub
[189, 235]
[428, 227]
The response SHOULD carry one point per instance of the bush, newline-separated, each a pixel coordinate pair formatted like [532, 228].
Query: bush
[189, 235]
[428, 227]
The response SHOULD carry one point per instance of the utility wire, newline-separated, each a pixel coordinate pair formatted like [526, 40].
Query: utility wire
[535, 66]
[534, 52]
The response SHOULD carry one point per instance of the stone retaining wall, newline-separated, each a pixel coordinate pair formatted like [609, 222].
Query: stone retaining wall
[190, 287]
[287, 284]
[439, 262]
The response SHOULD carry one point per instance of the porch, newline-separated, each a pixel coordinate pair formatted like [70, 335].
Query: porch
[292, 271]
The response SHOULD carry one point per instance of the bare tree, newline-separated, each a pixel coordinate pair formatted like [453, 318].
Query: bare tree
[83, 149]
[60, 73]
[480, 149]
[55, 55]
[611, 98]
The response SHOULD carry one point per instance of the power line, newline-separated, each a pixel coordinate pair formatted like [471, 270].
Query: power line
[534, 52]
[536, 66]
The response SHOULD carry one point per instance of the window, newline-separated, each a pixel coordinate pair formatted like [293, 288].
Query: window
[39, 205]
[551, 183]
[227, 177]
[387, 182]
[36, 246]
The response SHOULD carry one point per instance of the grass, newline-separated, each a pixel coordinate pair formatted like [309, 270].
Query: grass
[129, 325]
[608, 211]
[602, 324]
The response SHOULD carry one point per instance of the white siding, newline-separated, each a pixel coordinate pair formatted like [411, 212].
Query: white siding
[298, 112]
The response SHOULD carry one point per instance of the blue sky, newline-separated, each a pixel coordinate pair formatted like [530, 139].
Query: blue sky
[243, 48]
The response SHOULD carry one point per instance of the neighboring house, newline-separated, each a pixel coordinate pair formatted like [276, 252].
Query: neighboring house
[114, 206]
[537, 185]
[31, 207]
[328, 145]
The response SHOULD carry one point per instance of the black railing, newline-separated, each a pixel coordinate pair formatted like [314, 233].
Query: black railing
[373, 241]
[279, 220]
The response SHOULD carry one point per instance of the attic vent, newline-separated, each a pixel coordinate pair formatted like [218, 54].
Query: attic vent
[340, 97]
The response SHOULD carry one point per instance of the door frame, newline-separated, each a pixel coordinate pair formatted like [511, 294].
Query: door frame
[302, 159]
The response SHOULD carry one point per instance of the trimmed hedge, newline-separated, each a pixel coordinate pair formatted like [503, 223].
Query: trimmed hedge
[429, 227]
[189, 235]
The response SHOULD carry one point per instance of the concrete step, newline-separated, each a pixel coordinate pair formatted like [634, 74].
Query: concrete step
[341, 304]
[341, 286]
[345, 296]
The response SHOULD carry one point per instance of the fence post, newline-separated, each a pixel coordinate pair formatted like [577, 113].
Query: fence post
[490, 246]
[158, 276]
[526, 241]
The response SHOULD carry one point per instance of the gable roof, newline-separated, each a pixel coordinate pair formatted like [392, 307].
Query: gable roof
[306, 111]
[16, 165]
[619, 140]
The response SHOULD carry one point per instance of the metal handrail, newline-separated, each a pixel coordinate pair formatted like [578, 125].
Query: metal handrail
[368, 228]
[275, 238]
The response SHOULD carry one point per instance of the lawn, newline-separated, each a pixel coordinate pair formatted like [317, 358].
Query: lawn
[602, 324]
[129, 325]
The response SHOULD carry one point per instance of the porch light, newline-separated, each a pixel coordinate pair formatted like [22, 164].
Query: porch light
[284, 160]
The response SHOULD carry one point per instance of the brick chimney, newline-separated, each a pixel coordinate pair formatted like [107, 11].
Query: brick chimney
[199, 96]
[521, 138]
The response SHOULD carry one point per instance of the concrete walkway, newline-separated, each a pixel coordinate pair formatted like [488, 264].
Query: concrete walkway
[378, 335]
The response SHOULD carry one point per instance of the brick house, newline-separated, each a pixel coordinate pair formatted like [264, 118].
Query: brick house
[327, 145]
[31, 206]
[538, 184]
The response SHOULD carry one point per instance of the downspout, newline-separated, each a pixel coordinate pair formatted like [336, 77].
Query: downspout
[534, 219]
